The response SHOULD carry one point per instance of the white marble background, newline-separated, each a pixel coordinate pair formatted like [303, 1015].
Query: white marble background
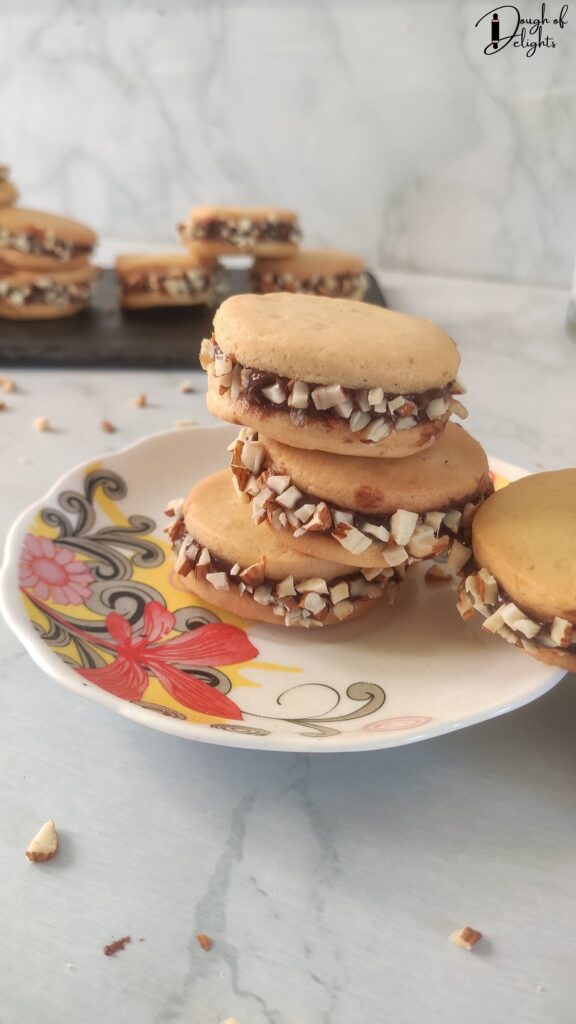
[383, 123]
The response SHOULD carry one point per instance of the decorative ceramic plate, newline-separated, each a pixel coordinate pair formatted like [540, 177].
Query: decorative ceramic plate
[89, 588]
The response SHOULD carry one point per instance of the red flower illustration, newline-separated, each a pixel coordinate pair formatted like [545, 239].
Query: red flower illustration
[136, 656]
[51, 571]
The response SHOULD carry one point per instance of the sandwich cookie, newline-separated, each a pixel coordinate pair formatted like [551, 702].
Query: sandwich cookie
[224, 559]
[165, 279]
[31, 295]
[224, 230]
[32, 240]
[523, 577]
[338, 275]
[331, 374]
[366, 512]
[8, 192]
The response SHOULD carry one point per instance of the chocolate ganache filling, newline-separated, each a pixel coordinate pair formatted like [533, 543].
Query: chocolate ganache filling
[242, 231]
[37, 242]
[372, 413]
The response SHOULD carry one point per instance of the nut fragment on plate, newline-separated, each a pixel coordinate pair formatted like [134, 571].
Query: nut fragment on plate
[108, 427]
[140, 401]
[42, 424]
[185, 387]
[205, 941]
[44, 846]
[3, 406]
[465, 938]
[7, 384]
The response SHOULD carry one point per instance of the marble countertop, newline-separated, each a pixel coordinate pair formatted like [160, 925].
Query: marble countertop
[329, 883]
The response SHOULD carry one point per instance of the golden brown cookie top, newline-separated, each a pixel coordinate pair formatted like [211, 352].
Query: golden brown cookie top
[327, 340]
[525, 535]
[15, 219]
[312, 263]
[251, 213]
[162, 262]
[216, 519]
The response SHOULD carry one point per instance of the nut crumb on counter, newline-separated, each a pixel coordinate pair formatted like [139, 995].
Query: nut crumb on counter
[465, 938]
[42, 424]
[116, 946]
[205, 941]
[140, 401]
[108, 427]
[44, 845]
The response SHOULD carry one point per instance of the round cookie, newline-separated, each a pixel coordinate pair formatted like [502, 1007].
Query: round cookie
[313, 272]
[331, 374]
[223, 558]
[366, 512]
[31, 295]
[165, 279]
[227, 230]
[33, 240]
[523, 580]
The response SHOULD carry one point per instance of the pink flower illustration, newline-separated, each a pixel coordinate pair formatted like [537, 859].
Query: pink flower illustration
[49, 571]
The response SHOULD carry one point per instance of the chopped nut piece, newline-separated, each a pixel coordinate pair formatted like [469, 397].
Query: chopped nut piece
[205, 941]
[562, 632]
[458, 557]
[140, 401]
[253, 576]
[185, 387]
[117, 945]
[108, 427]
[351, 538]
[464, 605]
[44, 846]
[3, 406]
[42, 424]
[466, 938]
[402, 525]
[7, 384]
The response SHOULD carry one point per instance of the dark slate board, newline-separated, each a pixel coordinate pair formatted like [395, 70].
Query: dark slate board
[104, 335]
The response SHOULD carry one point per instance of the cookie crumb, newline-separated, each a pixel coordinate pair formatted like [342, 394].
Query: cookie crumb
[42, 424]
[205, 941]
[44, 846]
[140, 401]
[117, 945]
[185, 423]
[108, 427]
[7, 384]
[186, 388]
[465, 938]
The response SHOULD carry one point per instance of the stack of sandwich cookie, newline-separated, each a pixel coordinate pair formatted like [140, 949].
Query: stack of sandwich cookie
[324, 272]
[224, 559]
[522, 578]
[331, 374]
[225, 230]
[44, 265]
[366, 512]
[166, 279]
[8, 191]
